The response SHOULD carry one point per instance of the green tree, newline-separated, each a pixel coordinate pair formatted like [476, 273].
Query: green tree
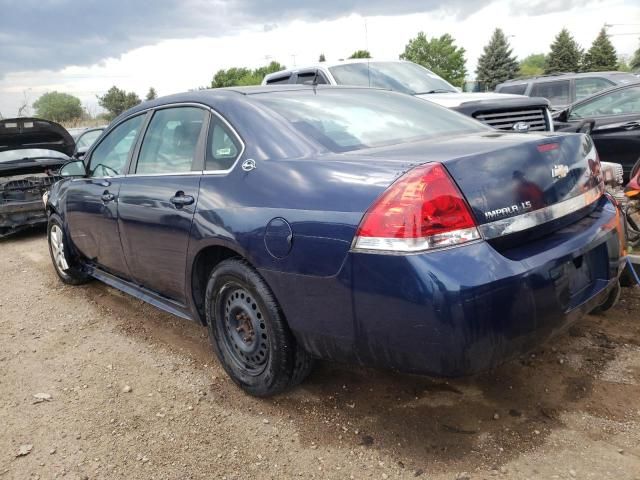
[565, 54]
[635, 60]
[532, 65]
[58, 107]
[151, 94]
[601, 56]
[361, 54]
[439, 54]
[497, 62]
[322, 58]
[235, 76]
[623, 63]
[116, 101]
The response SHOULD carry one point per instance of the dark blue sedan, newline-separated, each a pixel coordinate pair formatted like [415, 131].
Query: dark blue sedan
[350, 224]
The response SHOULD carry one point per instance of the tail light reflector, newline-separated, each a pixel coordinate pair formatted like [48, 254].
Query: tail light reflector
[421, 211]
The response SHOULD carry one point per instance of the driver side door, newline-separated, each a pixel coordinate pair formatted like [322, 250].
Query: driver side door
[616, 133]
[92, 202]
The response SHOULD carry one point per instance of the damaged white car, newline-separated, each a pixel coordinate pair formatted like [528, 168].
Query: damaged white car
[32, 151]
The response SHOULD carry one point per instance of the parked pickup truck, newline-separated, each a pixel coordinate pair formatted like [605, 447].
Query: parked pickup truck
[498, 110]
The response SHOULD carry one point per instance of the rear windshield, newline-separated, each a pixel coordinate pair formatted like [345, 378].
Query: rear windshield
[402, 77]
[518, 89]
[351, 119]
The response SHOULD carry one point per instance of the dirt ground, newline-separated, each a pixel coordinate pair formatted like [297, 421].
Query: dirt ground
[131, 392]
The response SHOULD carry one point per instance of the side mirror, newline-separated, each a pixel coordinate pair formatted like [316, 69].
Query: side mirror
[79, 155]
[75, 168]
[562, 116]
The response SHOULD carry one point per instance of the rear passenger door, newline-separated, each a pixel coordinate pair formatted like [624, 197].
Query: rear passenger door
[158, 199]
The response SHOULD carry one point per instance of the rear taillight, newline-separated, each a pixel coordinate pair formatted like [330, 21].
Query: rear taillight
[421, 211]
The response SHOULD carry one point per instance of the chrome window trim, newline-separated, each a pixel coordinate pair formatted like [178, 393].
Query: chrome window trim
[238, 138]
[191, 172]
[519, 223]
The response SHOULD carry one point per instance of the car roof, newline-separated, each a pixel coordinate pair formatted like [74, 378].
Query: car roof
[326, 65]
[213, 97]
[566, 75]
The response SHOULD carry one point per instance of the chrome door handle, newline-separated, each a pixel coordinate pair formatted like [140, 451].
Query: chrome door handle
[180, 200]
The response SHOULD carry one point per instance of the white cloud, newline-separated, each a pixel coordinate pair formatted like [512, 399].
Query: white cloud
[178, 65]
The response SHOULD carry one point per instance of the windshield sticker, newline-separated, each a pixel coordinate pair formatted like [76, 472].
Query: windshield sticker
[223, 151]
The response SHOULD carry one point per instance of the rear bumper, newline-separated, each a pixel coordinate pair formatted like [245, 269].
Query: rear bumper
[468, 309]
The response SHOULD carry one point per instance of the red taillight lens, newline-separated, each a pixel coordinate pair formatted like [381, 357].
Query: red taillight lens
[422, 210]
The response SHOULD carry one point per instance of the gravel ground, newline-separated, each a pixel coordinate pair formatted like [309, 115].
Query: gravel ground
[95, 384]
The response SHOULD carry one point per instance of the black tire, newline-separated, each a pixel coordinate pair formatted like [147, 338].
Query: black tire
[610, 302]
[69, 269]
[249, 333]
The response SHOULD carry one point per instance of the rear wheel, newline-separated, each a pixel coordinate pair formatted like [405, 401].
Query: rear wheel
[65, 265]
[249, 333]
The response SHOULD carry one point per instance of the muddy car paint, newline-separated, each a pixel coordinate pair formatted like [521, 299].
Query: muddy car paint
[294, 217]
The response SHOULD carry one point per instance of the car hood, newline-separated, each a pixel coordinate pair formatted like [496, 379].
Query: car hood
[452, 99]
[34, 133]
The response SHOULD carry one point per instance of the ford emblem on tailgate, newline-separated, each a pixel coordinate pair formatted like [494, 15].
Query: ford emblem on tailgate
[521, 127]
[559, 171]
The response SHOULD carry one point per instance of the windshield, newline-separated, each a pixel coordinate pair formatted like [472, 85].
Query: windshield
[405, 77]
[13, 155]
[351, 119]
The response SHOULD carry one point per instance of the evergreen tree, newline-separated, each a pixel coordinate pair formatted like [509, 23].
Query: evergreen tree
[497, 63]
[601, 56]
[635, 60]
[361, 54]
[322, 59]
[151, 94]
[565, 55]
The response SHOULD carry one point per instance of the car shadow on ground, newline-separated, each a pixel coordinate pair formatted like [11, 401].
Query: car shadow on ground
[485, 420]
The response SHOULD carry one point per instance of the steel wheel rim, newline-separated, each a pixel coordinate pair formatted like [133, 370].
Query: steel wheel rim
[56, 240]
[244, 331]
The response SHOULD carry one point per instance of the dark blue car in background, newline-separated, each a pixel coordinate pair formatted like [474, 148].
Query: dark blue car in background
[349, 224]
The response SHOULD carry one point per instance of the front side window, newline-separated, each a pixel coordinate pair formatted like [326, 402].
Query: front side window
[558, 93]
[589, 86]
[111, 155]
[620, 102]
[171, 141]
[343, 119]
[222, 147]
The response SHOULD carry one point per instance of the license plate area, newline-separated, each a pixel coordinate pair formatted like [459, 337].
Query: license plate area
[575, 278]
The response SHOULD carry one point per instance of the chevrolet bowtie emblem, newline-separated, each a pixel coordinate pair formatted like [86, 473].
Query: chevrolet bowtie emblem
[559, 171]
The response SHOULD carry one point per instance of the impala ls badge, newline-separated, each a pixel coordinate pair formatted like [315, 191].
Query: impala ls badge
[559, 171]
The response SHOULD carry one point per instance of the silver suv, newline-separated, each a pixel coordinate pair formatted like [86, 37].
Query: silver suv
[564, 89]
[502, 111]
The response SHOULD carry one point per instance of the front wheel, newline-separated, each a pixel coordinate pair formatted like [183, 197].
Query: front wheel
[66, 267]
[249, 333]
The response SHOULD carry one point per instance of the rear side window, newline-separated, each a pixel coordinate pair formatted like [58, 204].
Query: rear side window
[515, 89]
[223, 148]
[170, 143]
[309, 78]
[558, 93]
[110, 157]
[278, 80]
[589, 86]
[344, 119]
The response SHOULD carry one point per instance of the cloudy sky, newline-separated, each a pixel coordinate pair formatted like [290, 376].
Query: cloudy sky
[85, 46]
